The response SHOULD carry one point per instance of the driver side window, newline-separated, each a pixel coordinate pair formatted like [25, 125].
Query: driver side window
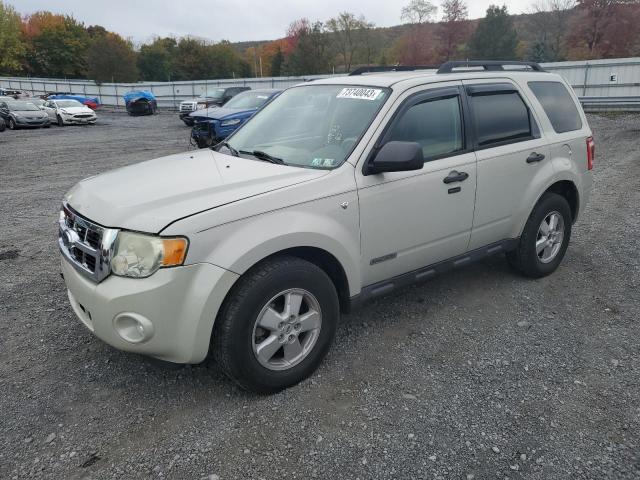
[436, 124]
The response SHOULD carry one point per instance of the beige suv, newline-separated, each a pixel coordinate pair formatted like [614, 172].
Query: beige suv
[338, 191]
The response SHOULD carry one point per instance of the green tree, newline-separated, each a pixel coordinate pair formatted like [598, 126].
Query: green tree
[310, 55]
[347, 31]
[12, 45]
[111, 58]
[156, 60]
[276, 63]
[495, 38]
[59, 49]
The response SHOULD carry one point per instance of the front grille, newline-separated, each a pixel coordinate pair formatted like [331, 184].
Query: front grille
[83, 115]
[187, 107]
[85, 244]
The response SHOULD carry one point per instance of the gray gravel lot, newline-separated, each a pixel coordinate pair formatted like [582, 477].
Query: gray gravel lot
[477, 374]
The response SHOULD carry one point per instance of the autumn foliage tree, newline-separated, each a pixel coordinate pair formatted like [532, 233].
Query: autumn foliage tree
[454, 30]
[604, 29]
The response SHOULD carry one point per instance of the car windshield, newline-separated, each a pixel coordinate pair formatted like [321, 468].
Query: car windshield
[22, 106]
[216, 93]
[248, 100]
[68, 103]
[313, 126]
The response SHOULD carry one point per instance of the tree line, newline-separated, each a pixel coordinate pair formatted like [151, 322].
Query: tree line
[52, 45]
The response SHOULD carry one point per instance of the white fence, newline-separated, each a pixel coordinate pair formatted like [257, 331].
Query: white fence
[594, 78]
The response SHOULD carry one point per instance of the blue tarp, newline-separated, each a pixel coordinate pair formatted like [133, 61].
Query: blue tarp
[138, 94]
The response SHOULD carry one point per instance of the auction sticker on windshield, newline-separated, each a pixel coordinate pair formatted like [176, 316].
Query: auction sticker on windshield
[360, 93]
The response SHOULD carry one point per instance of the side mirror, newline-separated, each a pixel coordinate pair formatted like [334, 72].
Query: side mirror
[396, 157]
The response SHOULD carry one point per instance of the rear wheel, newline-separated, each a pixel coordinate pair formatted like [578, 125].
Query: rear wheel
[545, 237]
[277, 325]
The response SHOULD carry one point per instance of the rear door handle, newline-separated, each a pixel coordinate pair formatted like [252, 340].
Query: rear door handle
[456, 176]
[535, 157]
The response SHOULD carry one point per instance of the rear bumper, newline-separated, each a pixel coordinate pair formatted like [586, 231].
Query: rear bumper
[175, 306]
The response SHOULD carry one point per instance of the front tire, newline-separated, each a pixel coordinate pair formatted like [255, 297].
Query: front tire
[545, 238]
[12, 124]
[277, 325]
[60, 121]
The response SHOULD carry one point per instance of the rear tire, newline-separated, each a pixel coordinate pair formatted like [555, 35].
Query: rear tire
[545, 238]
[273, 308]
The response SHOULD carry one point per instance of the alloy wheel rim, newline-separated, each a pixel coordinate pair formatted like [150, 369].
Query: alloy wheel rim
[286, 329]
[550, 237]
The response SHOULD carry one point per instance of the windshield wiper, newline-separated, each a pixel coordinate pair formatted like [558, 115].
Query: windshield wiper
[233, 151]
[260, 155]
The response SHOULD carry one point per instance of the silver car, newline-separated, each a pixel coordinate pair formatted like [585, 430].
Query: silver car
[69, 112]
[338, 191]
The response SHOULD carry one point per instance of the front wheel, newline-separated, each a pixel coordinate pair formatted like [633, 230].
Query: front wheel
[545, 237]
[277, 325]
[12, 124]
[60, 121]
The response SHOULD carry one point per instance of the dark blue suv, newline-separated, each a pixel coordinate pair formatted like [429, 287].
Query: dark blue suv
[213, 125]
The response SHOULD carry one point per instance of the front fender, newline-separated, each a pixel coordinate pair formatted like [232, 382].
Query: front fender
[321, 224]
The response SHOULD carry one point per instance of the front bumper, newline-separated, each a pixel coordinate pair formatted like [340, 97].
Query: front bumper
[78, 121]
[22, 122]
[177, 307]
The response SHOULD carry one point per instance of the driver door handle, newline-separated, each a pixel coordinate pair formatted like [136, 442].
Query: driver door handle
[456, 176]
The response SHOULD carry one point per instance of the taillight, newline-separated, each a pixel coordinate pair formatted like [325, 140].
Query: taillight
[591, 153]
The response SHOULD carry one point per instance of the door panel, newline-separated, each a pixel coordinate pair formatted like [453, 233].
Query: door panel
[507, 134]
[412, 219]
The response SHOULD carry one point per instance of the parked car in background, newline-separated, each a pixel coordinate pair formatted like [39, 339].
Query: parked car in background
[38, 102]
[69, 112]
[141, 102]
[215, 97]
[15, 94]
[215, 124]
[92, 102]
[19, 114]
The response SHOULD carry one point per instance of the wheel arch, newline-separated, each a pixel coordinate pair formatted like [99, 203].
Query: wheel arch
[318, 256]
[568, 190]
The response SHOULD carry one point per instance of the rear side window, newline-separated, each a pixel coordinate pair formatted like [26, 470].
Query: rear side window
[501, 117]
[558, 105]
[435, 124]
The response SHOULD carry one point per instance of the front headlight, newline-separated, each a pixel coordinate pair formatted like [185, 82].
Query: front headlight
[138, 255]
[202, 105]
[228, 123]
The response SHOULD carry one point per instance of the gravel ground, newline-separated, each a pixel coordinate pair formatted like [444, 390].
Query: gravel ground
[477, 374]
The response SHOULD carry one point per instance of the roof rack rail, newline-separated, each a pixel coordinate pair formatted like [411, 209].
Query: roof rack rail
[488, 65]
[391, 68]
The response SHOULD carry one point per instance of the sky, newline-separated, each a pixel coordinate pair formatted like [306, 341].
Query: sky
[234, 20]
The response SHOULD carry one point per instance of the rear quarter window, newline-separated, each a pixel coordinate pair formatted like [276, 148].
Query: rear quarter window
[501, 117]
[558, 104]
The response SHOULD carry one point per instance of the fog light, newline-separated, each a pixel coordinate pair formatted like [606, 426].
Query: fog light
[133, 328]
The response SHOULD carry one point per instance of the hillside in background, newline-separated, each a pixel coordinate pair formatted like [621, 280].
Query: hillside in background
[51, 45]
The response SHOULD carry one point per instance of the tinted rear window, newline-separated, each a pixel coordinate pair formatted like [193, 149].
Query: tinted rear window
[558, 105]
[500, 117]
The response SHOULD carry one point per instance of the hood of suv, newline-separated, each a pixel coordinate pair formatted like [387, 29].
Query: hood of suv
[150, 195]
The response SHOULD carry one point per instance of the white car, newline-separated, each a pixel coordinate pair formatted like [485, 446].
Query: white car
[338, 191]
[69, 112]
